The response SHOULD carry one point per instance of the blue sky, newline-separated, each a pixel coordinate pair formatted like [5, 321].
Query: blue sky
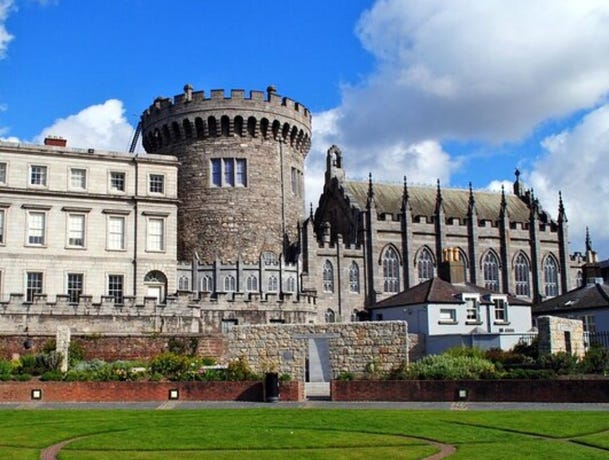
[461, 91]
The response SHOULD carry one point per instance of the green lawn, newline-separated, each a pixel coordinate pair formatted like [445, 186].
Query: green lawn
[303, 433]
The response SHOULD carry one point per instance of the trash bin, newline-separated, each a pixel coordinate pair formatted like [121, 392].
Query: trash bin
[271, 387]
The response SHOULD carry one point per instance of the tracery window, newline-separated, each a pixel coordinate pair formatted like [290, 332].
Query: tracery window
[521, 275]
[206, 283]
[354, 278]
[391, 271]
[490, 267]
[328, 277]
[273, 285]
[230, 283]
[425, 265]
[550, 277]
[251, 283]
[330, 316]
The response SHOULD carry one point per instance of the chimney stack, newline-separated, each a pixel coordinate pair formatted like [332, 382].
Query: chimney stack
[55, 141]
[452, 268]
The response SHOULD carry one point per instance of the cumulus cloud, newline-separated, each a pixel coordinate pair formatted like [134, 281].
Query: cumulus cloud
[102, 126]
[6, 6]
[575, 162]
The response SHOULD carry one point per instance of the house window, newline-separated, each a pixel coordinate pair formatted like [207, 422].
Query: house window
[116, 233]
[330, 316]
[425, 265]
[252, 283]
[550, 273]
[472, 309]
[328, 277]
[448, 315]
[228, 172]
[228, 324]
[500, 310]
[230, 283]
[155, 237]
[78, 179]
[391, 273]
[579, 280]
[291, 284]
[76, 230]
[270, 258]
[156, 183]
[115, 288]
[117, 181]
[521, 275]
[206, 284]
[490, 267]
[36, 228]
[273, 285]
[75, 287]
[2, 216]
[589, 323]
[296, 182]
[183, 283]
[33, 285]
[3, 173]
[38, 175]
[354, 278]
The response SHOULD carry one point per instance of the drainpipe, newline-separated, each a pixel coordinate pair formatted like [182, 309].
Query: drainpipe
[135, 229]
[283, 236]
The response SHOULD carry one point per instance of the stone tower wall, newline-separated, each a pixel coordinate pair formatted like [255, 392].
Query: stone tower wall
[272, 134]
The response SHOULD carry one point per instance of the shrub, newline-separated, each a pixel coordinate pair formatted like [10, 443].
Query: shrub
[595, 361]
[399, 372]
[471, 352]
[27, 365]
[561, 363]
[346, 376]
[6, 368]
[22, 377]
[76, 353]
[285, 377]
[52, 376]
[448, 367]
[529, 374]
[508, 359]
[170, 365]
[528, 349]
[48, 361]
[239, 369]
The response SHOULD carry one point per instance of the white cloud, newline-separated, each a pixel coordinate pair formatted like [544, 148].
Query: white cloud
[498, 185]
[101, 126]
[575, 162]
[489, 70]
[6, 6]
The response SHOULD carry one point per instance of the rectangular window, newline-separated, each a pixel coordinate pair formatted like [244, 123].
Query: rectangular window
[156, 183]
[2, 173]
[448, 315]
[589, 323]
[500, 310]
[75, 284]
[216, 172]
[115, 288]
[76, 230]
[117, 181]
[241, 177]
[2, 212]
[116, 233]
[229, 172]
[78, 179]
[473, 310]
[38, 175]
[35, 227]
[33, 285]
[228, 324]
[156, 234]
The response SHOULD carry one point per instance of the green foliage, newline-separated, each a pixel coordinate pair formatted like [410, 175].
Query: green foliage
[448, 367]
[48, 361]
[470, 352]
[170, 365]
[183, 345]
[6, 368]
[285, 377]
[399, 372]
[76, 353]
[508, 359]
[531, 350]
[55, 376]
[373, 369]
[528, 374]
[595, 361]
[208, 361]
[346, 376]
[239, 369]
[561, 363]
[28, 365]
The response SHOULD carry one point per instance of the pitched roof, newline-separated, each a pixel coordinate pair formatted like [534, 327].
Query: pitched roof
[582, 298]
[436, 290]
[422, 199]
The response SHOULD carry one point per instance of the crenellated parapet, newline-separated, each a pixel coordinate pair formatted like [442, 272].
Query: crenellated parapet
[193, 115]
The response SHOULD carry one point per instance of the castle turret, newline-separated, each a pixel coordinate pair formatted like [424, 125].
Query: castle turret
[241, 183]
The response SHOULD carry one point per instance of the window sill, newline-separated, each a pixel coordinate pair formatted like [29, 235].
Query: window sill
[156, 251]
[472, 322]
[448, 322]
[116, 250]
[77, 248]
[501, 323]
[28, 245]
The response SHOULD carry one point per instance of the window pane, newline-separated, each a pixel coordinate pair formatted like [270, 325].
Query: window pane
[78, 178]
[76, 230]
[36, 227]
[117, 181]
[229, 172]
[241, 172]
[38, 175]
[33, 285]
[74, 286]
[116, 233]
[155, 235]
[216, 172]
[2, 173]
[1, 226]
[157, 183]
[115, 288]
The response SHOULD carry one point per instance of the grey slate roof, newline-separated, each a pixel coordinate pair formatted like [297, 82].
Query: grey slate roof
[436, 290]
[422, 199]
[582, 298]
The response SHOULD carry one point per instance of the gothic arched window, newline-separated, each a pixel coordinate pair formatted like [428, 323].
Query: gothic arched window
[550, 277]
[183, 283]
[230, 283]
[251, 283]
[328, 277]
[521, 275]
[330, 316]
[273, 285]
[291, 284]
[206, 284]
[391, 271]
[425, 265]
[490, 267]
[354, 278]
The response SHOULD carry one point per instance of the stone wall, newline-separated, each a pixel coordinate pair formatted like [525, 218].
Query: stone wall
[353, 347]
[561, 334]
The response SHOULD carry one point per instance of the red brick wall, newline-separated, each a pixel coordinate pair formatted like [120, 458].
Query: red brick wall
[142, 391]
[477, 390]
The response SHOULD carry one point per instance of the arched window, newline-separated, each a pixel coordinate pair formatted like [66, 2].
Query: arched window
[330, 316]
[273, 285]
[251, 126]
[579, 281]
[206, 284]
[490, 268]
[238, 125]
[230, 283]
[354, 278]
[224, 125]
[425, 265]
[187, 128]
[391, 271]
[270, 258]
[183, 283]
[550, 277]
[521, 275]
[328, 277]
[291, 284]
[252, 283]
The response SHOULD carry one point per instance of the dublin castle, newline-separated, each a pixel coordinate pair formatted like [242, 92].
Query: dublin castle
[209, 228]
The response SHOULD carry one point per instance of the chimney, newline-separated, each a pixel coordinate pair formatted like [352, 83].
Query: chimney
[452, 268]
[55, 141]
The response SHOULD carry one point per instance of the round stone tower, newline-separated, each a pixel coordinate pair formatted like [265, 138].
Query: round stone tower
[240, 180]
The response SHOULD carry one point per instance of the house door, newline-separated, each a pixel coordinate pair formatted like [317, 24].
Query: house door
[319, 361]
[156, 292]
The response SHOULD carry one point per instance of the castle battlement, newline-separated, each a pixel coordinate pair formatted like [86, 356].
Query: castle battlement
[192, 115]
